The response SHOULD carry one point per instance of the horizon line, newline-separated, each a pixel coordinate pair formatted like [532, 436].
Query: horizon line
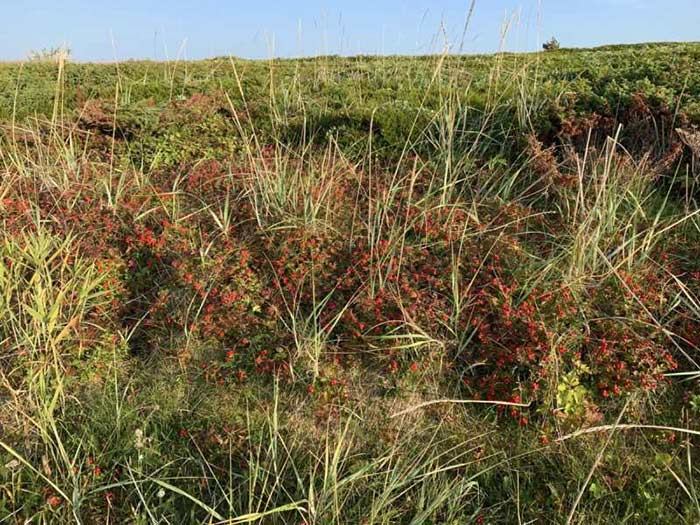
[350, 56]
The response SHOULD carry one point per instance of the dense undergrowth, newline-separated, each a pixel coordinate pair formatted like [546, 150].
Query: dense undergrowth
[371, 290]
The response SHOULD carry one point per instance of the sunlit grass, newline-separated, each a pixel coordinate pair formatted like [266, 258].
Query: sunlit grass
[331, 291]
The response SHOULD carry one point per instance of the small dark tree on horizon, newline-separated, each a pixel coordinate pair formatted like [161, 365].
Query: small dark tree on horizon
[551, 45]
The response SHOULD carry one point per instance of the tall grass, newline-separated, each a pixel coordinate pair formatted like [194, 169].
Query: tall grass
[284, 461]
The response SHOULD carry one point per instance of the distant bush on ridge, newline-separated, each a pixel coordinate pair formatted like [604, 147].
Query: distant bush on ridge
[52, 54]
[551, 45]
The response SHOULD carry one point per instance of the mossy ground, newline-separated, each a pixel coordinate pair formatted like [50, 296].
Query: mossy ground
[351, 290]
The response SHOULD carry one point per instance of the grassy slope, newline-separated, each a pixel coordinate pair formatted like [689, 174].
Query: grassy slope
[228, 288]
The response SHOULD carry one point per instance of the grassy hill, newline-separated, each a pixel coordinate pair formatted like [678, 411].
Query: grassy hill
[376, 290]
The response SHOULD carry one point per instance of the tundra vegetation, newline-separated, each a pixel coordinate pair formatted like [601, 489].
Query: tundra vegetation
[369, 290]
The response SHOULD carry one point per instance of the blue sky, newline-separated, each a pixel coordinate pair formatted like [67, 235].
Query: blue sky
[99, 31]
